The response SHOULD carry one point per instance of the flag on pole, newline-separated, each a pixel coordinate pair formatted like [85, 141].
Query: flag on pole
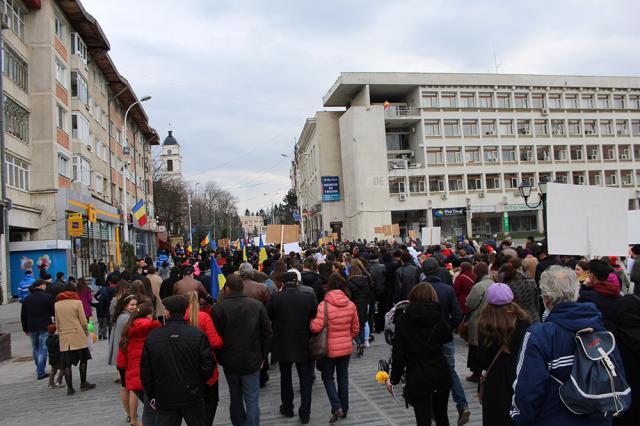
[262, 254]
[139, 211]
[217, 279]
[214, 246]
[206, 240]
[189, 249]
[244, 251]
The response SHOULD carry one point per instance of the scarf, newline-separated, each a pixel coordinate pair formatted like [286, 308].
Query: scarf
[67, 295]
[609, 288]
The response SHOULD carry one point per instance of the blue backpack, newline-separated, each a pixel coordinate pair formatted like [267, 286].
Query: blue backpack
[595, 389]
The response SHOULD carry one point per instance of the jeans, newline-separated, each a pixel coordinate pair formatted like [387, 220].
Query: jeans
[149, 416]
[457, 392]
[244, 394]
[423, 407]
[305, 372]
[360, 337]
[339, 398]
[40, 352]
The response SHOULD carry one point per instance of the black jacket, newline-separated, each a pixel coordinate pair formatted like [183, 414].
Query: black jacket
[53, 347]
[379, 276]
[360, 295]
[445, 276]
[37, 310]
[291, 310]
[104, 296]
[244, 326]
[627, 332]
[543, 265]
[166, 288]
[312, 279]
[176, 362]
[407, 276]
[417, 348]
[449, 305]
[608, 306]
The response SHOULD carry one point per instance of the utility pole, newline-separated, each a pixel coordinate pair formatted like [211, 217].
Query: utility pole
[189, 207]
[6, 203]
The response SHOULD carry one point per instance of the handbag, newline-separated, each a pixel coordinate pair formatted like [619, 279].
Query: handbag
[483, 376]
[318, 345]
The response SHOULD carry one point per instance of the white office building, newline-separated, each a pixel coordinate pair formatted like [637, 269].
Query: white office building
[449, 150]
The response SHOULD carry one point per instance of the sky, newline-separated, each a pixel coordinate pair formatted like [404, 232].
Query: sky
[235, 81]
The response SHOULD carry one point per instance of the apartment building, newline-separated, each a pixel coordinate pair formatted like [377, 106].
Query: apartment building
[65, 103]
[449, 150]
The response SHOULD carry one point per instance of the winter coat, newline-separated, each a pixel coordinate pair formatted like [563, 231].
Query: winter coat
[627, 332]
[156, 282]
[116, 333]
[543, 265]
[548, 349]
[205, 324]
[244, 325]
[379, 276]
[252, 289]
[24, 286]
[36, 311]
[449, 306]
[342, 323]
[166, 288]
[407, 276]
[129, 360]
[445, 276]
[475, 302]
[53, 348]
[71, 322]
[417, 349]
[462, 287]
[291, 310]
[85, 297]
[606, 297]
[176, 363]
[189, 284]
[499, 381]
[56, 288]
[525, 294]
[312, 279]
[360, 295]
[104, 296]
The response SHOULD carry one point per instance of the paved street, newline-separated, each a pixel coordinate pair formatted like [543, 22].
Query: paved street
[25, 401]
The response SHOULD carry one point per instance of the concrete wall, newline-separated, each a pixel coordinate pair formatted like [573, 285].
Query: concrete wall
[330, 162]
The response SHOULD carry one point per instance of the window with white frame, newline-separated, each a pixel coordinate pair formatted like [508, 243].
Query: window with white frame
[17, 173]
[60, 28]
[81, 170]
[15, 16]
[451, 128]
[603, 102]
[61, 73]
[504, 100]
[430, 99]
[470, 127]
[78, 47]
[456, 183]
[63, 165]
[571, 101]
[432, 128]
[448, 100]
[634, 101]
[618, 101]
[486, 100]
[554, 101]
[15, 68]
[80, 128]
[61, 117]
[521, 100]
[524, 127]
[16, 120]
[606, 128]
[467, 100]
[541, 127]
[488, 127]
[472, 155]
[621, 128]
[434, 156]
[574, 127]
[99, 184]
[537, 100]
[506, 127]
[79, 87]
[557, 127]
[587, 101]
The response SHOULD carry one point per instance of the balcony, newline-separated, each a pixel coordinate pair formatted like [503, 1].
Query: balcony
[394, 114]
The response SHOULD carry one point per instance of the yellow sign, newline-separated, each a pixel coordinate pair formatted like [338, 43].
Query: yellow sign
[75, 225]
[92, 214]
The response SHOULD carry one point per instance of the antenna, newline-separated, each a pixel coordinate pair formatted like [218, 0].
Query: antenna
[495, 62]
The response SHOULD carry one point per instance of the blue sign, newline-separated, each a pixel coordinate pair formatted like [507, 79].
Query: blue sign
[330, 188]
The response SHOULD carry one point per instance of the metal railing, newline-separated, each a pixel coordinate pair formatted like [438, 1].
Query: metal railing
[394, 111]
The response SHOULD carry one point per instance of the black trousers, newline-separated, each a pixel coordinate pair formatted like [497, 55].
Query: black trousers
[434, 406]
[305, 374]
[210, 403]
[193, 415]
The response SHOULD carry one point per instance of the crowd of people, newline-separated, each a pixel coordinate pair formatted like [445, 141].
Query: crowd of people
[518, 309]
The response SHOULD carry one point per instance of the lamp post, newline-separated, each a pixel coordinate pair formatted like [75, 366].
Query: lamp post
[125, 168]
[525, 192]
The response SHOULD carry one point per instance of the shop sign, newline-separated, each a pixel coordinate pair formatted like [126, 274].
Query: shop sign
[330, 188]
[456, 211]
[518, 207]
[75, 225]
[505, 223]
[92, 214]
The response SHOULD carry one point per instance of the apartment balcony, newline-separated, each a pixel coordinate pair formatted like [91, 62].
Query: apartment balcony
[401, 115]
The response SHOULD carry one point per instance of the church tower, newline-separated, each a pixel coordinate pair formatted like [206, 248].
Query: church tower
[170, 157]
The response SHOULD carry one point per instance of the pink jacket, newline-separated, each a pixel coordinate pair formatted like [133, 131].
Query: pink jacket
[343, 323]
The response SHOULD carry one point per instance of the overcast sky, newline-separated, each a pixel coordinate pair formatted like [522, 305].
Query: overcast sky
[236, 80]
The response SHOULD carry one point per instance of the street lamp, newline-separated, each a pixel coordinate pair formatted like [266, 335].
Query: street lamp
[525, 192]
[125, 171]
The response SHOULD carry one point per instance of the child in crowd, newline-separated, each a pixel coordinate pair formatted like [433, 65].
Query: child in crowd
[53, 346]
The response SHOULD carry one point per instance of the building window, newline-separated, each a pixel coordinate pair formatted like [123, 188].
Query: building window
[488, 127]
[448, 100]
[169, 165]
[456, 183]
[537, 100]
[486, 100]
[504, 100]
[603, 102]
[397, 141]
[587, 101]
[80, 129]
[590, 127]
[430, 100]
[571, 101]
[493, 181]
[557, 127]
[81, 170]
[541, 128]
[634, 101]
[416, 184]
[436, 183]
[78, 47]
[16, 120]
[63, 165]
[635, 127]
[396, 185]
[60, 28]
[454, 156]
[451, 128]
[15, 68]
[474, 182]
[618, 101]
[574, 127]
[621, 128]
[431, 128]
[17, 173]
[99, 186]
[490, 154]
[168, 152]
[606, 128]
[15, 17]
[521, 100]
[472, 155]
[470, 127]
[61, 73]
[61, 117]
[554, 101]
[509, 154]
[434, 156]
[104, 152]
[79, 87]
[468, 100]
[506, 127]
[524, 127]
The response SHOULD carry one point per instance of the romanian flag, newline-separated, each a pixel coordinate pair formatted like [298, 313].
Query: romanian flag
[244, 251]
[262, 254]
[140, 213]
[386, 105]
[206, 240]
[217, 279]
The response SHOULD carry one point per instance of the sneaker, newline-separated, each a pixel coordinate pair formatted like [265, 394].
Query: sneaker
[87, 386]
[366, 343]
[463, 416]
[51, 386]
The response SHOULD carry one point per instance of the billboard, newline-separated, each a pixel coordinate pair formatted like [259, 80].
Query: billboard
[330, 188]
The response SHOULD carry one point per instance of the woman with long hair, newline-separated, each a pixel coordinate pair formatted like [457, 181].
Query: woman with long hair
[122, 289]
[417, 351]
[148, 291]
[361, 297]
[279, 268]
[525, 291]
[138, 290]
[85, 295]
[501, 328]
[204, 323]
[134, 334]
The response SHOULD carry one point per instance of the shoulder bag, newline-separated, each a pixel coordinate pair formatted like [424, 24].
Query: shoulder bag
[318, 345]
[483, 376]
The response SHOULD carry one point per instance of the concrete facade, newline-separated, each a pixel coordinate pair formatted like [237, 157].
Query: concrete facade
[450, 150]
[64, 105]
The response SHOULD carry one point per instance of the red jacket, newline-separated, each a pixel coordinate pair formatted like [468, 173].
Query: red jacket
[462, 287]
[343, 323]
[205, 324]
[130, 360]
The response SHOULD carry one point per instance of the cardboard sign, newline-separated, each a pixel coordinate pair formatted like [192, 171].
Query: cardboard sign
[224, 243]
[412, 233]
[334, 236]
[378, 230]
[395, 229]
[282, 234]
[386, 230]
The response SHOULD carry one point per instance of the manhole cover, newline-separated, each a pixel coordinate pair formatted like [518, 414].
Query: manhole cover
[23, 359]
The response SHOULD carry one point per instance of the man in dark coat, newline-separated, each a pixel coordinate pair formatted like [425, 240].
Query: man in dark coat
[407, 276]
[378, 273]
[244, 326]
[176, 363]
[37, 310]
[311, 278]
[291, 310]
[53, 289]
[601, 291]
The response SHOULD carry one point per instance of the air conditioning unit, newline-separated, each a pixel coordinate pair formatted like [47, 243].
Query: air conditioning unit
[624, 157]
[545, 111]
[444, 196]
[403, 197]
[490, 133]
[557, 132]
[482, 194]
[588, 132]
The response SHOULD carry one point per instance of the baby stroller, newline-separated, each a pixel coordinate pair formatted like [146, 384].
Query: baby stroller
[390, 320]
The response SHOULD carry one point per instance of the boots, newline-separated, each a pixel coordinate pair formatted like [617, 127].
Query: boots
[87, 386]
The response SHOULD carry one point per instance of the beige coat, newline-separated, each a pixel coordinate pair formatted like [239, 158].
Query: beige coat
[71, 324]
[156, 282]
[476, 300]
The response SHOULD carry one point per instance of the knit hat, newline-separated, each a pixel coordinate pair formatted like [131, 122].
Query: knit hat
[176, 304]
[499, 294]
[430, 266]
